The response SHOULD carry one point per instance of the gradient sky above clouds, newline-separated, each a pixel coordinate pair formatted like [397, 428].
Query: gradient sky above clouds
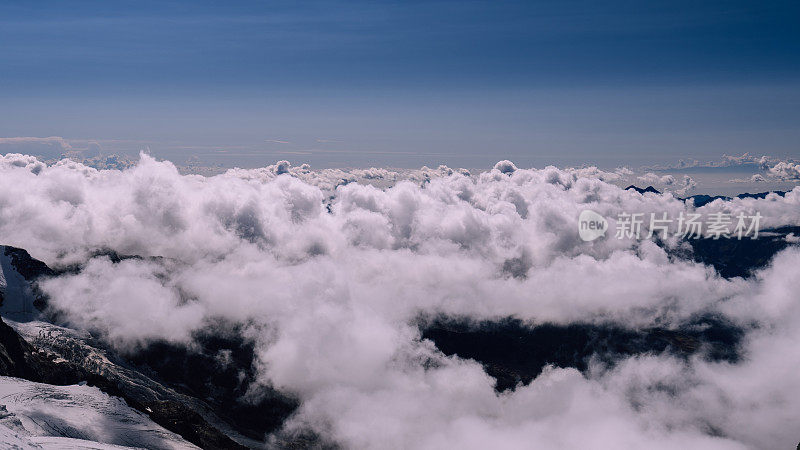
[356, 83]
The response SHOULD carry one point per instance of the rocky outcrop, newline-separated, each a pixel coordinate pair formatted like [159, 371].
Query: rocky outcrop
[20, 359]
[179, 414]
[55, 355]
[515, 353]
[19, 294]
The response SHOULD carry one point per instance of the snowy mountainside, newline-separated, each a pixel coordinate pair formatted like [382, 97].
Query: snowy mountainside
[37, 415]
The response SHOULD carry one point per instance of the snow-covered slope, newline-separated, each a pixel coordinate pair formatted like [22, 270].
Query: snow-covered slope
[36, 415]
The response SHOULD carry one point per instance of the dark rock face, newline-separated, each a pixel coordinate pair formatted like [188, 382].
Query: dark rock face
[30, 269]
[179, 418]
[515, 353]
[219, 369]
[739, 258]
[27, 266]
[20, 359]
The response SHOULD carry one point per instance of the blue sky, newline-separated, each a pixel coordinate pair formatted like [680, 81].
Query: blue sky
[349, 83]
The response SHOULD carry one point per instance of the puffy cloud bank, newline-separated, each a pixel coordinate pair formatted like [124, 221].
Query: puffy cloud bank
[785, 170]
[329, 279]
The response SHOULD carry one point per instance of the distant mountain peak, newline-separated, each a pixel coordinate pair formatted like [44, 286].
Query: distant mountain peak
[642, 191]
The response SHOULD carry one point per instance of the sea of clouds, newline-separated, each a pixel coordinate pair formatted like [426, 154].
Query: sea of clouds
[330, 272]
